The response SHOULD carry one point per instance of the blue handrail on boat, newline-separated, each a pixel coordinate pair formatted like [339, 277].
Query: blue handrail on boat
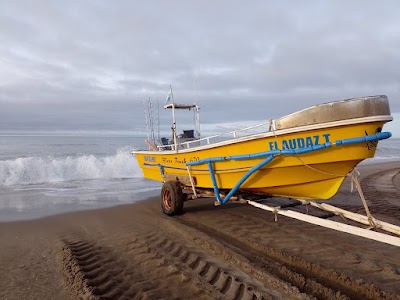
[270, 155]
[241, 181]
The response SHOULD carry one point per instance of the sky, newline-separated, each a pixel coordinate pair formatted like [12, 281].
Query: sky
[88, 65]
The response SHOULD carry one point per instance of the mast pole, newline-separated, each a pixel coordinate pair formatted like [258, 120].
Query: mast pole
[158, 120]
[174, 126]
[146, 118]
[151, 122]
[197, 111]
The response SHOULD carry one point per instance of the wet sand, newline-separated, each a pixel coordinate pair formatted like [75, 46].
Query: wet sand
[234, 251]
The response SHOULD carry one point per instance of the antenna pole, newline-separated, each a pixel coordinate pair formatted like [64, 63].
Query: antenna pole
[151, 122]
[195, 90]
[196, 111]
[158, 120]
[146, 118]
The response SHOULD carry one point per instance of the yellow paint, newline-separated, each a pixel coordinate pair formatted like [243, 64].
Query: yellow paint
[314, 175]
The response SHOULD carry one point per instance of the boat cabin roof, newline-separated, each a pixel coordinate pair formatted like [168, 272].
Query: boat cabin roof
[180, 106]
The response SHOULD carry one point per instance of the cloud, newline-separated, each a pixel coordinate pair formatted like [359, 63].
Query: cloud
[82, 65]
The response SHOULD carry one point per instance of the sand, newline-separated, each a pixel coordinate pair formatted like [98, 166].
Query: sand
[234, 251]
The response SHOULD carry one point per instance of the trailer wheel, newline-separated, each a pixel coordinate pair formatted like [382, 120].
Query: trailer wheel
[172, 198]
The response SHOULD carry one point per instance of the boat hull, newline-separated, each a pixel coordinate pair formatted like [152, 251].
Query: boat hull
[314, 175]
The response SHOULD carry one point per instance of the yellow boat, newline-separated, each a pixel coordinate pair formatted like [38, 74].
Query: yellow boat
[304, 155]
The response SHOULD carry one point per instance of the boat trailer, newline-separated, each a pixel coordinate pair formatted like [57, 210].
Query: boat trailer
[172, 195]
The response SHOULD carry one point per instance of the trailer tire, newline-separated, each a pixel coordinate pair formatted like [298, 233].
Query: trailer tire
[172, 198]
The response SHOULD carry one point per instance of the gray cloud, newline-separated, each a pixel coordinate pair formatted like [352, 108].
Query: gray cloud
[83, 65]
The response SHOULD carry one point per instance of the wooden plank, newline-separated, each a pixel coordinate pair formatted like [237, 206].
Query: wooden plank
[357, 217]
[380, 237]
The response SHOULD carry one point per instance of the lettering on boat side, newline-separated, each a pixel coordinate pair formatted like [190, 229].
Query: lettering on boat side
[149, 158]
[180, 161]
[166, 160]
[299, 143]
[177, 160]
[195, 158]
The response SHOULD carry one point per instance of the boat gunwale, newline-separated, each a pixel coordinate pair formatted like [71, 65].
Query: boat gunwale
[270, 133]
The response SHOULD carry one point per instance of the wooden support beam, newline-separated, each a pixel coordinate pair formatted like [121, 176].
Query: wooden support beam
[380, 237]
[357, 217]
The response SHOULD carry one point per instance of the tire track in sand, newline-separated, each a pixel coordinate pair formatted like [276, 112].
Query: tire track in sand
[309, 277]
[382, 192]
[96, 273]
[213, 275]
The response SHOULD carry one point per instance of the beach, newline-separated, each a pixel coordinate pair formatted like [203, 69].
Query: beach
[234, 251]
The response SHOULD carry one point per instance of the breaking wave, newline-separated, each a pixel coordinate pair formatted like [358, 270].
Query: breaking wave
[32, 170]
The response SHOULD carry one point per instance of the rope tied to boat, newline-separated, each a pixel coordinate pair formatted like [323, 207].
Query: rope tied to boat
[318, 170]
[354, 175]
[272, 128]
[275, 212]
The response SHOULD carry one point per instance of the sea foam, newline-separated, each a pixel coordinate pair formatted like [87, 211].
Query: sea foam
[32, 170]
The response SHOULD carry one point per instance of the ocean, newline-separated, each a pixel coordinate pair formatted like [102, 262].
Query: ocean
[47, 175]
[42, 175]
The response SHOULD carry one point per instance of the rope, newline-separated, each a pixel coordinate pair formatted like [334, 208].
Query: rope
[272, 128]
[191, 182]
[354, 177]
[320, 171]
[275, 212]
